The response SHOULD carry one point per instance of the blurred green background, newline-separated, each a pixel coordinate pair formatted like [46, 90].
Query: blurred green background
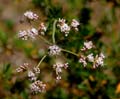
[100, 22]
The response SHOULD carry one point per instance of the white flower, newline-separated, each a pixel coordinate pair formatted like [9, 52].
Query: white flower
[63, 26]
[32, 76]
[37, 86]
[30, 15]
[83, 60]
[32, 33]
[54, 50]
[65, 29]
[22, 68]
[90, 57]
[58, 68]
[75, 24]
[36, 70]
[42, 28]
[87, 45]
[102, 55]
[23, 35]
[99, 60]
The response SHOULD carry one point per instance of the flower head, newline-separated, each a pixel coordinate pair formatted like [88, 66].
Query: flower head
[23, 35]
[22, 68]
[75, 24]
[82, 60]
[37, 86]
[31, 75]
[87, 46]
[32, 33]
[54, 50]
[58, 68]
[99, 60]
[90, 57]
[42, 28]
[63, 26]
[30, 15]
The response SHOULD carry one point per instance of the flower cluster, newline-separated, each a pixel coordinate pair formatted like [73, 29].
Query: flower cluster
[97, 60]
[54, 50]
[58, 68]
[30, 15]
[37, 85]
[75, 24]
[87, 46]
[65, 28]
[30, 33]
[42, 28]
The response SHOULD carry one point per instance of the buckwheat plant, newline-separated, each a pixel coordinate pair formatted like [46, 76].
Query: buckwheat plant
[84, 57]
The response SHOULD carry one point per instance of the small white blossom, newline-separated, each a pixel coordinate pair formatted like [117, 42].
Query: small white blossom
[23, 35]
[63, 26]
[36, 70]
[54, 50]
[99, 60]
[75, 24]
[37, 86]
[31, 75]
[90, 57]
[32, 33]
[30, 15]
[42, 28]
[87, 45]
[58, 68]
[83, 60]
[22, 68]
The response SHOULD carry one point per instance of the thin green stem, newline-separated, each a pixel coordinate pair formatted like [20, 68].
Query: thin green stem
[46, 41]
[53, 33]
[41, 61]
[70, 52]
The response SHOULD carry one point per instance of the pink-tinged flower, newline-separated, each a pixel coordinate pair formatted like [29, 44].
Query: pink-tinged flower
[31, 75]
[23, 35]
[36, 70]
[82, 60]
[30, 15]
[54, 50]
[42, 28]
[37, 86]
[99, 60]
[75, 24]
[22, 68]
[90, 57]
[63, 26]
[87, 45]
[32, 33]
[58, 68]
